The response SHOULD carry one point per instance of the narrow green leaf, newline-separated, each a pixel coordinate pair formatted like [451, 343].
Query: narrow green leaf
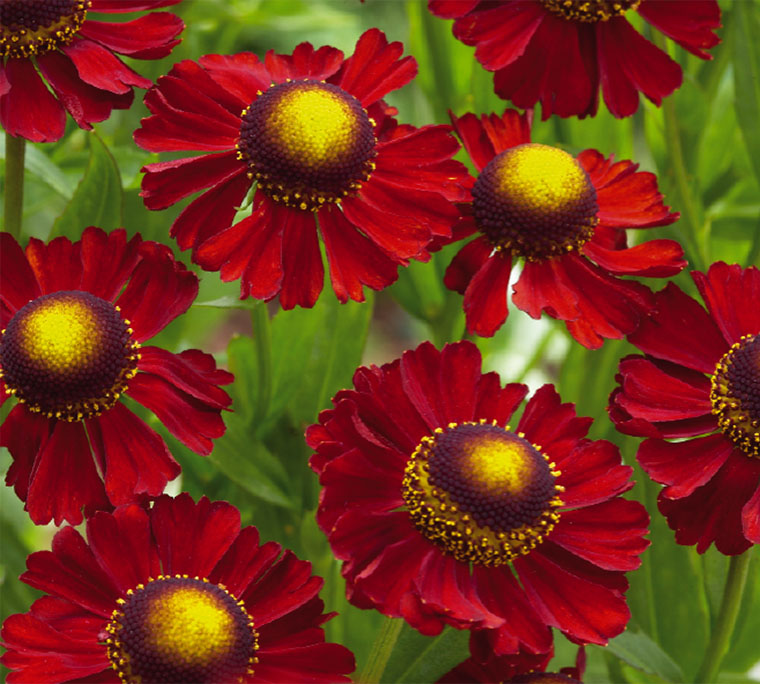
[98, 199]
[228, 302]
[639, 651]
[38, 164]
[746, 28]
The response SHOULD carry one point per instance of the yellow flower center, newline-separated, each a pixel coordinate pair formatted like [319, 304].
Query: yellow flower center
[32, 27]
[481, 492]
[181, 629]
[589, 11]
[536, 201]
[307, 143]
[68, 355]
[735, 394]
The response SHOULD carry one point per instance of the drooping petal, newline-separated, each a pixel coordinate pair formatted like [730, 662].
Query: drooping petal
[690, 23]
[151, 36]
[302, 268]
[485, 299]
[467, 262]
[24, 434]
[99, 67]
[18, 284]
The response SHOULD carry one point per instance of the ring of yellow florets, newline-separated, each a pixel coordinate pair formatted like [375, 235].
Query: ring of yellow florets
[307, 143]
[482, 493]
[68, 355]
[535, 201]
[33, 27]
[735, 394]
[589, 11]
[181, 629]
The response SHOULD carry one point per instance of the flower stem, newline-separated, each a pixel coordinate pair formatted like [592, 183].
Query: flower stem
[262, 340]
[381, 651]
[687, 203]
[15, 149]
[724, 626]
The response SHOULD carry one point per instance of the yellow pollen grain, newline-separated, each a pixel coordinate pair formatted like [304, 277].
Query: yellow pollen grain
[61, 335]
[189, 626]
[540, 178]
[314, 125]
[499, 467]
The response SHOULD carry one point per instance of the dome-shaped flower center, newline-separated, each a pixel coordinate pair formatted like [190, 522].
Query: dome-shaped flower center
[589, 11]
[31, 27]
[536, 201]
[181, 629]
[735, 394]
[307, 143]
[480, 492]
[68, 355]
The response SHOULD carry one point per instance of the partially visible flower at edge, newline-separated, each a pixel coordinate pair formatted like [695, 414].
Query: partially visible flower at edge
[560, 52]
[61, 46]
[699, 384]
[443, 514]
[175, 593]
[567, 218]
[74, 320]
[310, 132]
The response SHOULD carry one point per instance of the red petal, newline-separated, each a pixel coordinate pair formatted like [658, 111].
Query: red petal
[192, 538]
[108, 261]
[100, 68]
[493, 134]
[85, 103]
[318, 663]
[24, 433]
[159, 290]
[122, 545]
[751, 517]
[18, 286]
[688, 22]
[592, 473]
[609, 534]
[242, 75]
[244, 561]
[683, 465]
[654, 259]
[726, 290]
[451, 9]
[28, 109]
[544, 286]
[303, 271]
[136, 459]
[628, 63]
[148, 37]
[64, 478]
[354, 260]
[190, 420]
[495, 402]
[467, 262]
[121, 6]
[304, 63]
[57, 265]
[485, 300]
[375, 69]
[681, 331]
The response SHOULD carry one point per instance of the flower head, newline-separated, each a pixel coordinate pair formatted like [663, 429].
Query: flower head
[559, 52]
[444, 514]
[566, 217]
[176, 593]
[75, 319]
[699, 384]
[310, 134]
[74, 53]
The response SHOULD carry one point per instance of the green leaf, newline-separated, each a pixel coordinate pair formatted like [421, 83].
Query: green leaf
[228, 302]
[38, 164]
[418, 658]
[639, 651]
[746, 28]
[98, 199]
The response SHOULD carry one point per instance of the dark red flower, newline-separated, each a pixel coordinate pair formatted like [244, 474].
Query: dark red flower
[442, 514]
[699, 384]
[559, 52]
[74, 319]
[311, 133]
[178, 593]
[567, 218]
[56, 45]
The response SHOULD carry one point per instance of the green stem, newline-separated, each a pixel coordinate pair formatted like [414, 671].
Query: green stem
[262, 340]
[15, 149]
[690, 213]
[381, 651]
[724, 626]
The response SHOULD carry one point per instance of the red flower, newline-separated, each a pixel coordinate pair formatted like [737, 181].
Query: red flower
[558, 52]
[567, 217]
[178, 593]
[319, 145]
[444, 515]
[699, 384]
[74, 318]
[74, 54]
